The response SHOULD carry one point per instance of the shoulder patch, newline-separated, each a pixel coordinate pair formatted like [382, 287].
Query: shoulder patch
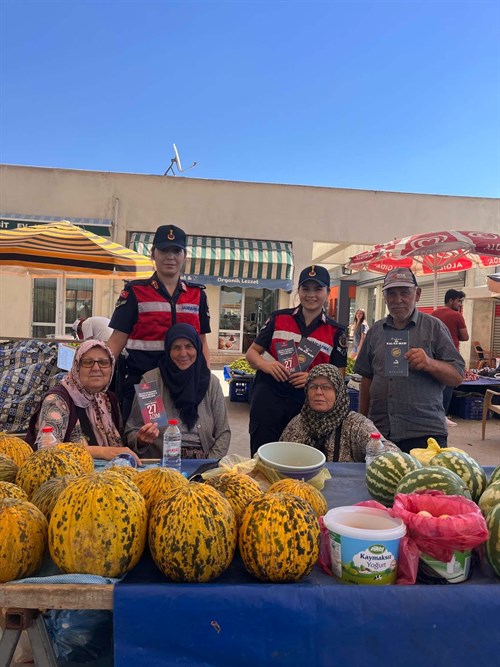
[343, 340]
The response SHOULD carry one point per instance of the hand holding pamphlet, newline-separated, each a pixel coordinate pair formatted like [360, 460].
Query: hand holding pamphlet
[307, 351]
[151, 403]
[287, 355]
[396, 346]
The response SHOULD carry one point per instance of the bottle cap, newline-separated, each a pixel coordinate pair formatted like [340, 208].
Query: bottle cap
[174, 422]
[47, 429]
[375, 436]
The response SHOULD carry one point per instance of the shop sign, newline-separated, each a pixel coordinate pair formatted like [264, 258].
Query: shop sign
[221, 281]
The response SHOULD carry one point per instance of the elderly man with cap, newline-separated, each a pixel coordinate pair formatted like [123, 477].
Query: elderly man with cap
[146, 309]
[406, 361]
[278, 390]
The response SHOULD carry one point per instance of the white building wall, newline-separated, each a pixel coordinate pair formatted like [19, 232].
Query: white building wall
[300, 214]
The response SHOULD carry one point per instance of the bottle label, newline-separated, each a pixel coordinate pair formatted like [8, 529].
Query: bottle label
[173, 450]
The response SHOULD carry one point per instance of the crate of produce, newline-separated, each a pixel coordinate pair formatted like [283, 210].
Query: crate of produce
[240, 389]
[467, 406]
[353, 399]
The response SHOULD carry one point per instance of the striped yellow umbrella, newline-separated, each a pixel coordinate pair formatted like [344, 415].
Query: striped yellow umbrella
[59, 248]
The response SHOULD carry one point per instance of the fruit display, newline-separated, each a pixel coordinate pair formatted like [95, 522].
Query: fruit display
[490, 497]
[9, 490]
[127, 471]
[8, 469]
[242, 365]
[238, 488]
[493, 542]
[23, 538]
[14, 448]
[279, 537]
[98, 526]
[46, 495]
[466, 468]
[44, 464]
[192, 533]
[433, 477]
[495, 475]
[156, 483]
[302, 490]
[385, 472]
[80, 452]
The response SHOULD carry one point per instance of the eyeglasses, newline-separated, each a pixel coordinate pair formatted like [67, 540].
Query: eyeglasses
[102, 363]
[325, 388]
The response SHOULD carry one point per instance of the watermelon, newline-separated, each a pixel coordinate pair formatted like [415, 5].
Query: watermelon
[467, 468]
[490, 498]
[495, 475]
[433, 477]
[385, 472]
[493, 542]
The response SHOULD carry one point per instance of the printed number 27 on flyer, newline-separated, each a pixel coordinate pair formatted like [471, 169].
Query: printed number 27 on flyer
[151, 403]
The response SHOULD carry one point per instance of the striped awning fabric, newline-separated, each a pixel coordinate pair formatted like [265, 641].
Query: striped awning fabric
[221, 261]
[63, 248]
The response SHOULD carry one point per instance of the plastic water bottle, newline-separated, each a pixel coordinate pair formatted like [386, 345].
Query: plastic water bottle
[374, 447]
[123, 459]
[172, 444]
[46, 438]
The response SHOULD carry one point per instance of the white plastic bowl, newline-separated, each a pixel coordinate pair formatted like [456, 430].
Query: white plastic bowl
[292, 459]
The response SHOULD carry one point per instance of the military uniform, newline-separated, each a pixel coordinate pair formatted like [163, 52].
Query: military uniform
[273, 404]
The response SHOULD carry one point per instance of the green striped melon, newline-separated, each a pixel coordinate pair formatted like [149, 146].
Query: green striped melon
[490, 498]
[493, 542]
[385, 472]
[433, 477]
[467, 468]
[495, 475]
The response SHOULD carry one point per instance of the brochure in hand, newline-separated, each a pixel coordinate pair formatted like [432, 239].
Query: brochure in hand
[151, 403]
[287, 355]
[307, 351]
[396, 346]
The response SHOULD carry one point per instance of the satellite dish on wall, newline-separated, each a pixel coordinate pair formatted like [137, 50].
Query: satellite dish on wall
[177, 161]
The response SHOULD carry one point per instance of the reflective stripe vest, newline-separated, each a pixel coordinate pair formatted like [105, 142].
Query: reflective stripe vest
[286, 328]
[154, 316]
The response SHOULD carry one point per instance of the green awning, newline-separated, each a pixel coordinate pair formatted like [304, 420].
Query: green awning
[214, 260]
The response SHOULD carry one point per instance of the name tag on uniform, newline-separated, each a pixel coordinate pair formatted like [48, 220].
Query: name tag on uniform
[396, 346]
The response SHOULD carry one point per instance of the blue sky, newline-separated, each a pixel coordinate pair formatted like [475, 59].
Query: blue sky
[401, 96]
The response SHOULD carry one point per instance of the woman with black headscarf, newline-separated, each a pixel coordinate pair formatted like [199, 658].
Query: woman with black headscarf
[191, 394]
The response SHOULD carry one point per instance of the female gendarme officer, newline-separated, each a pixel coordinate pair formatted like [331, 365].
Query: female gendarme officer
[277, 394]
[147, 308]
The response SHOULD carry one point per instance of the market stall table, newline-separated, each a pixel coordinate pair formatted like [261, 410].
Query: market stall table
[236, 620]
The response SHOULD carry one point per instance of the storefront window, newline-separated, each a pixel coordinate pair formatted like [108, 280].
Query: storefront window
[230, 319]
[242, 314]
[51, 320]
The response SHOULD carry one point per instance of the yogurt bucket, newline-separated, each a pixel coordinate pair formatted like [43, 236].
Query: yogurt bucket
[364, 544]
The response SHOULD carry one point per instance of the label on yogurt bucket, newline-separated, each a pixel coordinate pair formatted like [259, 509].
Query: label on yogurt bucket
[362, 561]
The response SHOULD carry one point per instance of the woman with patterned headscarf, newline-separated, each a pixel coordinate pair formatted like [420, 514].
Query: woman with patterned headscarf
[326, 422]
[81, 408]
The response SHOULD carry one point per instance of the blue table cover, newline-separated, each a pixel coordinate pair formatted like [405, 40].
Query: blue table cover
[236, 621]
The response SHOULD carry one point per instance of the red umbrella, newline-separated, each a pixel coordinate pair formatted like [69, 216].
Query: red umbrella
[432, 253]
